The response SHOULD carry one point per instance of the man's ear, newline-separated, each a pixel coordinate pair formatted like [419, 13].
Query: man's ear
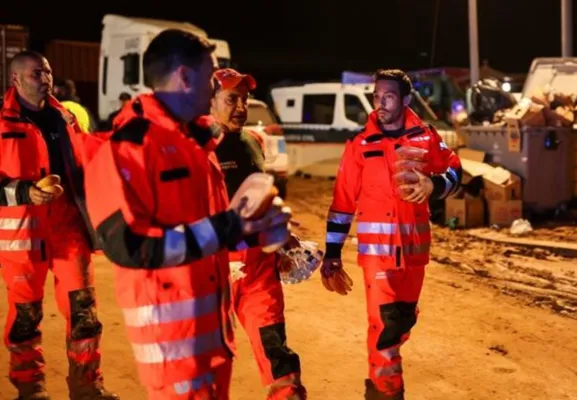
[184, 75]
[15, 79]
[212, 105]
[407, 100]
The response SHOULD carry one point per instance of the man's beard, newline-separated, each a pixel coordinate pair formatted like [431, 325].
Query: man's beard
[389, 117]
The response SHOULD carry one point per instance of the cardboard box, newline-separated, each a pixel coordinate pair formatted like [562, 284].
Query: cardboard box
[504, 213]
[469, 211]
[501, 185]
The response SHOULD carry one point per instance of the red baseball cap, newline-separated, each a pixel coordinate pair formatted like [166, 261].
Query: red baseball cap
[229, 78]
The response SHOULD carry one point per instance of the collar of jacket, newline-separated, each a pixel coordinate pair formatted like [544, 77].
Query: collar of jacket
[148, 106]
[13, 109]
[413, 123]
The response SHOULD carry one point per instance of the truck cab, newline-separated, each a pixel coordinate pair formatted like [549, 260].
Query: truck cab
[124, 40]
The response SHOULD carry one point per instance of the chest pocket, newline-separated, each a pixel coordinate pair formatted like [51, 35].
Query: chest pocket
[174, 174]
[182, 184]
[378, 159]
[21, 154]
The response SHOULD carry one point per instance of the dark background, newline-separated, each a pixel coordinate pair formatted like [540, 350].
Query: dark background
[317, 39]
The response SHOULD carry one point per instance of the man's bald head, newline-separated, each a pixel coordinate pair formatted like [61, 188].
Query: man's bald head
[19, 61]
[32, 77]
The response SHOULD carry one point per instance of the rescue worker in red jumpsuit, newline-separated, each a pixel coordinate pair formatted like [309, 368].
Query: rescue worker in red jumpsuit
[159, 207]
[41, 231]
[393, 231]
[258, 298]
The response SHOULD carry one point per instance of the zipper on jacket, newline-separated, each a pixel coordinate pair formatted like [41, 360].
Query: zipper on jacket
[398, 257]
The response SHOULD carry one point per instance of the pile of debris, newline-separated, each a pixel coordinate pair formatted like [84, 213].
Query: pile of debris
[490, 195]
[543, 108]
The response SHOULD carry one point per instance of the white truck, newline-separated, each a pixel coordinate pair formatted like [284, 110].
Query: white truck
[318, 118]
[124, 40]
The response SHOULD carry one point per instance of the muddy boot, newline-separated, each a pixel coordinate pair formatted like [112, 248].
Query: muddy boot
[291, 389]
[372, 393]
[85, 382]
[94, 392]
[32, 391]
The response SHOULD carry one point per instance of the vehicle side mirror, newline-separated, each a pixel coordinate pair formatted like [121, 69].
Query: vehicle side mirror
[362, 118]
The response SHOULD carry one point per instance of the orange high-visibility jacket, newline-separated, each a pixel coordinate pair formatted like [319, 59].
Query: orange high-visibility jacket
[391, 232]
[148, 192]
[24, 159]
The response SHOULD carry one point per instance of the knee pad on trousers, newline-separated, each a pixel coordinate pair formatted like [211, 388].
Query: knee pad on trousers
[398, 319]
[25, 326]
[84, 323]
[283, 360]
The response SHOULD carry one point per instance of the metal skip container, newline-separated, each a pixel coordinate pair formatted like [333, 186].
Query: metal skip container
[545, 161]
[544, 156]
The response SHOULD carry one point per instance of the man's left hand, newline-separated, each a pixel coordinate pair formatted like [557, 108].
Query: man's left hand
[420, 191]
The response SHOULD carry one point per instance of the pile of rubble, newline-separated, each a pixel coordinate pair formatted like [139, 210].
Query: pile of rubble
[543, 108]
[490, 195]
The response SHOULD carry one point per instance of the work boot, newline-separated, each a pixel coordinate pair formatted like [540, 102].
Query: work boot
[32, 391]
[94, 392]
[289, 388]
[372, 393]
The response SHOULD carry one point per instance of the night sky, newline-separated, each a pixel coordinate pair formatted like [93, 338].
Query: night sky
[317, 39]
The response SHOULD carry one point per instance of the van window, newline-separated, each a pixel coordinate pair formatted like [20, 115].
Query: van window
[104, 74]
[318, 108]
[131, 74]
[354, 109]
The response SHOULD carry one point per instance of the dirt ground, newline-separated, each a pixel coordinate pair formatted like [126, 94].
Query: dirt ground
[496, 322]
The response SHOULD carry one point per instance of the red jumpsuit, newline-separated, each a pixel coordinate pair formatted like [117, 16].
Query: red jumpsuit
[55, 236]
[147, 197]
[258, 298]
[393, 236]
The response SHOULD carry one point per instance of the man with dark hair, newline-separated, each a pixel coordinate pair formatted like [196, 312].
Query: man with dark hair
[45, 229]
[388, 172]
[258, 298]
[123, 99]
[65, 92]
[165, 222]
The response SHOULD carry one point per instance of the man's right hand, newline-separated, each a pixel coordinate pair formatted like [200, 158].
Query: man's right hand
[38, 197]
[334, 277]
[277, 215]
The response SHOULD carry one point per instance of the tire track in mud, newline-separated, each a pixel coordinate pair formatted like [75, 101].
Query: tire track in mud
[535, 276]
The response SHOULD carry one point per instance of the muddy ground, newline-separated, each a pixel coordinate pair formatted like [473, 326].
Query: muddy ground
[496, 322]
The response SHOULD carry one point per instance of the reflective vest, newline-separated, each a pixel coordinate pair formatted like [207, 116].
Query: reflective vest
[391, 233]
[80, 113]
[24, 159]
[145, 183]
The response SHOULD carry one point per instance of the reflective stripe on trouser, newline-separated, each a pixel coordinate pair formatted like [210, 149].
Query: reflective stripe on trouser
[69, 261]
[213, 385]
[259, 304]
[172, 320]
[392, 297]
[397, 245]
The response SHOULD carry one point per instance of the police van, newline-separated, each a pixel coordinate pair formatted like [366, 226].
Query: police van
[124, 40]
[318, 118]
[263, 121]
[332, 112]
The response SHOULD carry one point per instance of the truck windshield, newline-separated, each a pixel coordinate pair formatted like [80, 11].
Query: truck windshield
[259, 114]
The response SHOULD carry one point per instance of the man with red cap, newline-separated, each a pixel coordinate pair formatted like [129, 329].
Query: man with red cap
[258, 298]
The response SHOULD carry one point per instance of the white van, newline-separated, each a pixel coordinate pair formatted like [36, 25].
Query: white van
[318, 118]
[262, 120]
[124, 40]
[333, 112]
